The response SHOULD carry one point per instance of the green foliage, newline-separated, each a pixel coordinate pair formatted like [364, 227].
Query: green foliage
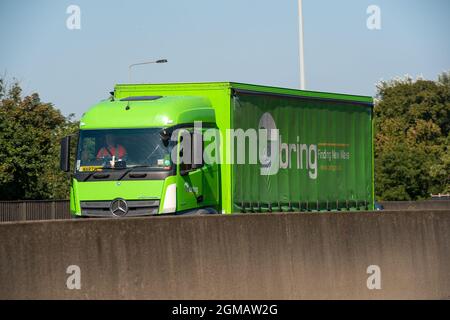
[412, 142]
[30, 131]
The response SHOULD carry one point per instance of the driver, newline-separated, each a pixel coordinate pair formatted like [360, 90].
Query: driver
[111, 150]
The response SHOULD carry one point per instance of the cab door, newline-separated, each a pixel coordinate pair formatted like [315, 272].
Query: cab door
[189, 170]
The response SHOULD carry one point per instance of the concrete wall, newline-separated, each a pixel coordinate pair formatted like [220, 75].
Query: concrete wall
[253, 256]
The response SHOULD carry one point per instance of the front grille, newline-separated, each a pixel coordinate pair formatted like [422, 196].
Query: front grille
[135, 208]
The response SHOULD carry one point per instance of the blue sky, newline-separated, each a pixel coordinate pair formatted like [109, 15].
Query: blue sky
[254, 41]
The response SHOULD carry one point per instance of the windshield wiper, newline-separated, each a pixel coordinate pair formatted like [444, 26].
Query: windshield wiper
[113, 168]
[141, 166]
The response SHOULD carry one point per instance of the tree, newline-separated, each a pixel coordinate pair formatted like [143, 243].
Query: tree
[30, 131]
[412, 141]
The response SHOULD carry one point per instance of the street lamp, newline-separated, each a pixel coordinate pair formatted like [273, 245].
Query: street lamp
[140, 63]
[300, 45]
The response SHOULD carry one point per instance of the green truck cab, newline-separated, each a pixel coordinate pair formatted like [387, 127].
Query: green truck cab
[132, 149]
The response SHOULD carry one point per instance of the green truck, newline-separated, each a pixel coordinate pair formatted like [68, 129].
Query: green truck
[221, 147]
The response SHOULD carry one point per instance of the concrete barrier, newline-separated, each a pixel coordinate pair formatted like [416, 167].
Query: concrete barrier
[248, 256]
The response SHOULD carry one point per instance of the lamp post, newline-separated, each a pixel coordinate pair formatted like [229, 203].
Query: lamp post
[141, 63]
[300, 44]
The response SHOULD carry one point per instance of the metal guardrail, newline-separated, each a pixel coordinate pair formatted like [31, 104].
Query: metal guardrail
[433, 204]
[24, 210]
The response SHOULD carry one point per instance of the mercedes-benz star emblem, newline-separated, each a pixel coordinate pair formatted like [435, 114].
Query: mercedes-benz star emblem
[119, 207]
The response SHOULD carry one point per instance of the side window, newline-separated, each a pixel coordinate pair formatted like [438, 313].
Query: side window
[198, 147]
[195, 153]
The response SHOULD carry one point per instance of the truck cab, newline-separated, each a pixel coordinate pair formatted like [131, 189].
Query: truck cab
[129, 160]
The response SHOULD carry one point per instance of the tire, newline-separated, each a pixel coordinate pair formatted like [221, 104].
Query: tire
[201, 212]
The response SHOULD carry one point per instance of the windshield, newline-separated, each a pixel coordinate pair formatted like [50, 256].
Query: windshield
[122, 148]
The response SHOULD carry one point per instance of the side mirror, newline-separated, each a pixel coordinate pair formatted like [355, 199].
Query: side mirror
[64, 163]
[165, 136]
